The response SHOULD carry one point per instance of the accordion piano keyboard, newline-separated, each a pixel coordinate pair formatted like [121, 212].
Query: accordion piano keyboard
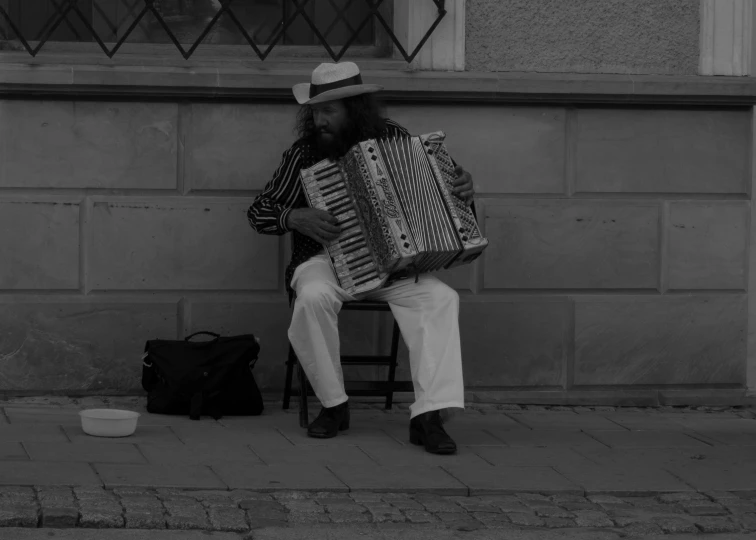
[349, 253]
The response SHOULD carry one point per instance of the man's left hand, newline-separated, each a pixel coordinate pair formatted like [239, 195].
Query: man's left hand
[463, 185]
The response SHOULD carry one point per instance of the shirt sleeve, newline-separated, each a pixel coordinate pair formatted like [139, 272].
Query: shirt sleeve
[269, 210]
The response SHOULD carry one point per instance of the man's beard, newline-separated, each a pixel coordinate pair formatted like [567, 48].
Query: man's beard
[333, 147]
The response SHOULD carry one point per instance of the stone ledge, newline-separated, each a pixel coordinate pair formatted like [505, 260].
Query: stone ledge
[274, 82]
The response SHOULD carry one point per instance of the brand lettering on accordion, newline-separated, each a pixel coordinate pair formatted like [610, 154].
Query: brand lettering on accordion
[393, 199]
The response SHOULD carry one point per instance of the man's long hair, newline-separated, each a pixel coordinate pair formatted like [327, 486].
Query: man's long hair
[365, 116]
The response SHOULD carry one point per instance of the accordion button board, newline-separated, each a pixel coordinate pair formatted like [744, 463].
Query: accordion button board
[398, 215]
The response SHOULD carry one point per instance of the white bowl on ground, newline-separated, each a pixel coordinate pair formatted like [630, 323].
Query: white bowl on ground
[108, 422]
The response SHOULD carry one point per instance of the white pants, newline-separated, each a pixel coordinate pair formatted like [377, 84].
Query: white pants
[427, 313]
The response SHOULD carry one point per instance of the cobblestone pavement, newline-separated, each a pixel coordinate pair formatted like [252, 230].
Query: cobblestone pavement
[691, 511]
[242, 511]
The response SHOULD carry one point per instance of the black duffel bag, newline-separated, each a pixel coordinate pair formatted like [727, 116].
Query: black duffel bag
[211, 378]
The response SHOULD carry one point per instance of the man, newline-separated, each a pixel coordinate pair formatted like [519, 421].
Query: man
[338, 111]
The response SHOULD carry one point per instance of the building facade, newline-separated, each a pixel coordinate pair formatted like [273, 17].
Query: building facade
[611, 145]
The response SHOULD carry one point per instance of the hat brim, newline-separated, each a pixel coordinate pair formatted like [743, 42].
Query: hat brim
[302, 92]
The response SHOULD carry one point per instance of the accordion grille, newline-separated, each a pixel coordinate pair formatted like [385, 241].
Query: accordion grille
[418, 192]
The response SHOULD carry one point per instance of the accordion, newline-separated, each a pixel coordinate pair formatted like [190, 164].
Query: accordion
[393, 201]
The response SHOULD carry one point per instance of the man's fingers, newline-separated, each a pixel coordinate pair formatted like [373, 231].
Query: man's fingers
[328, 228]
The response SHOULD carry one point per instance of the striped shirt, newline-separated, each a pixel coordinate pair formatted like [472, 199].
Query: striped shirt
[269, 210]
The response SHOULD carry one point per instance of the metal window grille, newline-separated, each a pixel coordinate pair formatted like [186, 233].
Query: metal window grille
[187, 24]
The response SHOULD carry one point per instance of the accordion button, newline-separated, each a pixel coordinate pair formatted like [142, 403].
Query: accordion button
[464, 238]
[373, 158]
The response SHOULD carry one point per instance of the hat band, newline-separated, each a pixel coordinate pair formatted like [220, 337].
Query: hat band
[317, 89]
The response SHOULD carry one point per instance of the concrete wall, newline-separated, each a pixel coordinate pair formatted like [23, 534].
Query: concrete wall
[617, 257]
[583, 36]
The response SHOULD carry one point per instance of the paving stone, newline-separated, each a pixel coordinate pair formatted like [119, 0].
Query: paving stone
[17, 493]
[344, 508]
[513, 505]
[622, 479]
[738, 506]
[491, 518]
[245, 495]
[571, 507]
[449, 517]
[721, 496]
[600, 498]
[329, 495]
[704, 508]
[183, 509]
[100, 520]
[145, 520]
[381, 507]
[562, 498]
[532, 497]
[553, 511]
[641, 530]
[133, 492]
[266, 514]
[418, 516]
[343, 498]
[261, 506]
[442, 506]
[293, 477]
[18, 516]
[379, 478]
[465, 526]
[141, 503]
[505, 479]
[349, 517]
[675, 525]
[187, 522]
[716, 525]
[92, 492]
[299, 518]
[624, 521]
[407, 505]
[558, 523]
[228, 519]
[265, 523]
[86, 452]
[46, 474]
[360, 497]
[59, 517]
[641, 502]
[305, 507]
[181, 476]
[589, 518]
[521, 518]
[382, 516]
[679, 497]
[747, 521]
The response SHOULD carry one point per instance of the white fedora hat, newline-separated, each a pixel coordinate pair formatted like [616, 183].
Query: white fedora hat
[333, 81]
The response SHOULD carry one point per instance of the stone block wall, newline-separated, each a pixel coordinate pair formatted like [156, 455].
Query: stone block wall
[617, 257]
[583, 36]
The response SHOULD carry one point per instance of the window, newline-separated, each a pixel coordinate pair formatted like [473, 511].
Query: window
[198, 27]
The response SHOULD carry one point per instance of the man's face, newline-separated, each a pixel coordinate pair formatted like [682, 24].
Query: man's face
[331, 121]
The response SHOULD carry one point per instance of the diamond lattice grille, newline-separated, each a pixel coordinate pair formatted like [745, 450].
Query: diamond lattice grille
[335, 25]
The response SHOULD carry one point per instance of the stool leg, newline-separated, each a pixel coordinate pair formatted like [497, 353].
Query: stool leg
[304, 417]
[392, 367]
[290, 361]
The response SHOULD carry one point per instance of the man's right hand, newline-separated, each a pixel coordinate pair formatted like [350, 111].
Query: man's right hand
[317, 224]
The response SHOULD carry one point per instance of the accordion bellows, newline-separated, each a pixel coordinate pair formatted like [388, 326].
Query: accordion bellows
[394, 202]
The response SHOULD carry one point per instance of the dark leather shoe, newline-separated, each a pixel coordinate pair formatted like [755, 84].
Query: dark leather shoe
[330, 421]
[427, 429]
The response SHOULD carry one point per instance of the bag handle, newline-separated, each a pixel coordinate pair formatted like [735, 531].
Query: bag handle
[216, 336]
